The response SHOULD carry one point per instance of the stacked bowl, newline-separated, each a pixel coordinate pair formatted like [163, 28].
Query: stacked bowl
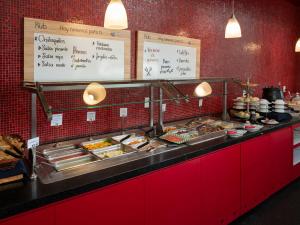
[239, 104]
[264, 106]
[279, 106]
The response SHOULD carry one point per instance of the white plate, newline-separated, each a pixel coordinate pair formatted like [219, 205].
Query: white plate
[239, 103]
[279, 110]
[279, 102]
[280, 107]
[264, 111]
[270, 122]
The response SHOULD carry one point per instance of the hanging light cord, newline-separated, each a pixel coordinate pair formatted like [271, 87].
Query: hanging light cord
[233, 7]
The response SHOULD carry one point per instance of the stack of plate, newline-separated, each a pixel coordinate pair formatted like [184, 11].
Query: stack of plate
[239, 104]
[264, 106]
[279, 106]
[254, 106]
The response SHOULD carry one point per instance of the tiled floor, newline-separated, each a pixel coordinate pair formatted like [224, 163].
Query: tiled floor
[283, 208]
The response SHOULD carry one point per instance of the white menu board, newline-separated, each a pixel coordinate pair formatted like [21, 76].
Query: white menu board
[165, 61]
[166, 57]
[60, 58]
[57, 51]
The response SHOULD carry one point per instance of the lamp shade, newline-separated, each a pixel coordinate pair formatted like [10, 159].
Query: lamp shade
[203, 89]
[297, 48]
[233, 28]
[115, 16]
[94, 93]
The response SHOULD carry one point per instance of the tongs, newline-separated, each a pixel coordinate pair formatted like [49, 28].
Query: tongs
[8, 152]
[12, 146]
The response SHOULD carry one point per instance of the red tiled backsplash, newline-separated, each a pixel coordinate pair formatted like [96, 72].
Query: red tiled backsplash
[265, 52]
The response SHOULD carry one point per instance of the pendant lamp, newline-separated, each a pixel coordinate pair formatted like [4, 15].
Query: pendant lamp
[233, 28]
[115, 16]
[202, 90]
[94, 94]
[297, 48]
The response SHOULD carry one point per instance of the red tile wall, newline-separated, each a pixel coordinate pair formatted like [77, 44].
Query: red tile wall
[265, 53]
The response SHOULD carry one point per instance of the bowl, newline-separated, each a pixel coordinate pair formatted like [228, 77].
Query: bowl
[279, 106]
[235, 133]
[279, 102]
[279, 110]
[264, 102]
[263, 111]
[253, 127]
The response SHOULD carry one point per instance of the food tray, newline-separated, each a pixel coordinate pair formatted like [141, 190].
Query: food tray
[74, 162]
[207, 137]
[152, 146]
[135, 142]
[98, 141]
[104, 153]
[63, 153]
[168, 137]
[49, 151]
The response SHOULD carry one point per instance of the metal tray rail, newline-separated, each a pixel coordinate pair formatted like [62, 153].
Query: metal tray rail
[74, 162]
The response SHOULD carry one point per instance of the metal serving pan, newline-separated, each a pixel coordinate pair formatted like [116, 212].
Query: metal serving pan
[64, 153]
[48, 151]
[113, 142]
[101, 152]
[207, 137]
[74, 162]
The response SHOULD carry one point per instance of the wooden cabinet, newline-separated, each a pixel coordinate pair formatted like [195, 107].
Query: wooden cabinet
[113, 205]
[173, 195]
[220, 186]
[40, 216]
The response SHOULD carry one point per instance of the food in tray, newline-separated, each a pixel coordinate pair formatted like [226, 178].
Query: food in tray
[153, 145]
[134, 142]
[169, 128]
[205, 129]
[173, 138]
[97, 145]
[110, 154]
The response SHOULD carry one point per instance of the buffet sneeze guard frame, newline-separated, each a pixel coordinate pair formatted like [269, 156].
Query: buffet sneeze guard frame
[165, 87]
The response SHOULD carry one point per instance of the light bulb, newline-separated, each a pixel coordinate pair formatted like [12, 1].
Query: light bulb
[297, 48]
[233, 28]
[115, 16]
[91, 97]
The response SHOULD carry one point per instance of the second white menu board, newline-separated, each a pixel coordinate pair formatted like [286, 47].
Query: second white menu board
[167, 57]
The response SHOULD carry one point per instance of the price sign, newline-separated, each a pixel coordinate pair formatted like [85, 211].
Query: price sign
[33, 143]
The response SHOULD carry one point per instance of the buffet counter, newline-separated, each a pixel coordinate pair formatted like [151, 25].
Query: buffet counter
[140, 174]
